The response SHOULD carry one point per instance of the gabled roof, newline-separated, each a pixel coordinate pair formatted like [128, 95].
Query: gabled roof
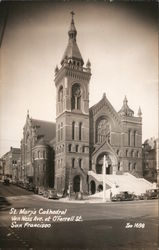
[105, 102]
[44, 129]
[15, 150]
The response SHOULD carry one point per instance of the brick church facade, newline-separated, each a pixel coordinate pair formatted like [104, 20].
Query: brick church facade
[83, 135]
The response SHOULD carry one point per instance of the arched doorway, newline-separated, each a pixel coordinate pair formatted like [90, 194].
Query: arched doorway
[76, 183]
[93, 187]
[99, 164]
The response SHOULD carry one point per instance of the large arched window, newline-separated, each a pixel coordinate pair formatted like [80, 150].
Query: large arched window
[102, 130]
[76, 96]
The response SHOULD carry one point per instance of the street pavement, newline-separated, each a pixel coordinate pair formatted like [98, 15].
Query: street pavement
[118, 225]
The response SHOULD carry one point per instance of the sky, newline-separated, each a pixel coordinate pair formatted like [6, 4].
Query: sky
[120, 40]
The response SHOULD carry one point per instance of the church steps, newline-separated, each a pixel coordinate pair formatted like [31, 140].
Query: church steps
[125, 182]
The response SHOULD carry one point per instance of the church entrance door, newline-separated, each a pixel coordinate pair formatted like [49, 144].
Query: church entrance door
[76, 184]
[93, 187]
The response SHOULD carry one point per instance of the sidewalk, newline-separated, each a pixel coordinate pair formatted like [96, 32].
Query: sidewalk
[96, 198]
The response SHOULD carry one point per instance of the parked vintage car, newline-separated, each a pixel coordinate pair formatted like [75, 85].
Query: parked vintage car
[41, 190]
[123, 196]
[51, 194]
[142, 196]
[30, 186]
[6, 182]
[45, 193]
[152, 194]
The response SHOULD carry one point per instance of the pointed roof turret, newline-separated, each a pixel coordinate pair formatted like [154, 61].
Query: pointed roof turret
[125, 110]
[139, 112]
[88, 64]
[72, 52]
[56, 69]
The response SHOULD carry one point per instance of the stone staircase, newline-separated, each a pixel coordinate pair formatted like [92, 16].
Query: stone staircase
[124, 182]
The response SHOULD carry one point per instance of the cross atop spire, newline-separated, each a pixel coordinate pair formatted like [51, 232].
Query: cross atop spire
[72, 13]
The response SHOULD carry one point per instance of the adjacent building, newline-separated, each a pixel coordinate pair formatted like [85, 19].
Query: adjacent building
[10, 163]
[37, 152]
[150, 159]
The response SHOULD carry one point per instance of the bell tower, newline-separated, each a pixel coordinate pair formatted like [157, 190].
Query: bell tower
[72, 118]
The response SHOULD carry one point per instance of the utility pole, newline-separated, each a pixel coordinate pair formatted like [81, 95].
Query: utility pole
[105, 164]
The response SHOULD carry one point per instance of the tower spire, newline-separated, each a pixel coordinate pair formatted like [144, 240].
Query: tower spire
[72, 31]
[139, 112]
[72, 52]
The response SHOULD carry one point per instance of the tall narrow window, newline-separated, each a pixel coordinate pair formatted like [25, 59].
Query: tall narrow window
[80, 131]
[129, 137]
[43, 167]
[129, 166]
[118, 166]
[126, 152]
[60, 94]
[58, 132]
[61, 131]
[60, 99]
[38, 154]
[44, 154]
[80, 163]
[76, 96]
[73, 130]
[73, 162]
[69, 147]
[61, 163]
[134, 138]
[77, 148]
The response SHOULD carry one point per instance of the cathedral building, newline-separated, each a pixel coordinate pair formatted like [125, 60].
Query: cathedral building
[84, 135]
[69, 154]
